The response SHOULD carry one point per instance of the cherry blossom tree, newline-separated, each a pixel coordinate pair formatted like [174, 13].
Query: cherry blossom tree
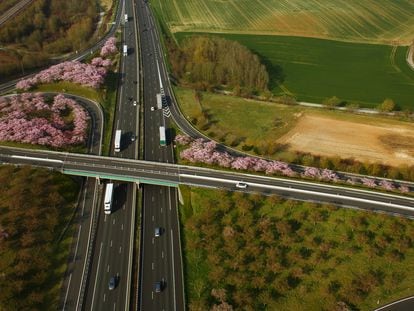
[29, 118]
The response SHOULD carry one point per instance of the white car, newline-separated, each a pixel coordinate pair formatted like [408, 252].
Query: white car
[152, 108]
[241, 185]
[134, 102]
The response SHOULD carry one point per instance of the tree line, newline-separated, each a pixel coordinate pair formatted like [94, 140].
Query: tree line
[259, 253]
[46, 28]
[206, 62]
[34, 208]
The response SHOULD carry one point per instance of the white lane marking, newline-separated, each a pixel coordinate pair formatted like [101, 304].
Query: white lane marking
[153, 240]
[120, 249]
[113, 221]
[96, 277]
[388, 204]
[152, 265]
[152, 295]
[83, 201]
[152, 198]
[161, 210]
[104, 297]
[162, 254]
[114, 306]
[87, 248]
[152, 217]
[392, 303]
[111, 244]
[107, 269]
[173, 271]
[122, 227]
[77, 243]
[67, 292]
[36, 159]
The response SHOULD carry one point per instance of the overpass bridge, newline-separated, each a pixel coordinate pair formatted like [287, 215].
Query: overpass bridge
[173, 175]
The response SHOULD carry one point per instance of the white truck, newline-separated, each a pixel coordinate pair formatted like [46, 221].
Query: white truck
[108, 198]
[159, 101]
[126, 18]
[125, 50]
[163, 141]
[118, 135]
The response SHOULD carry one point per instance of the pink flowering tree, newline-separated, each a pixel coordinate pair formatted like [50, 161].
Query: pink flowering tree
[369, 182]
[30, 118]
[109, 47]
[201, 151]
[72, 71]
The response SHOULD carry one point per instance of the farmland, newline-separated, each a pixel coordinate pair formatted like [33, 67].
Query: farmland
[317, 131]
[380, 21]
[314, 69]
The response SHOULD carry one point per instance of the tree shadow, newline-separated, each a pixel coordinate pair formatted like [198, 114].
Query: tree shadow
[276, 73]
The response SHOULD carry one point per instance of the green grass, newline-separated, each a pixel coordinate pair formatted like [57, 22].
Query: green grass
[380, 21]
[351, 253]
[231, 118]
[315, 69]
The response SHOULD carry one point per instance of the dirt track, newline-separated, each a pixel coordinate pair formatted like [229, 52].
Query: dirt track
[384, 143]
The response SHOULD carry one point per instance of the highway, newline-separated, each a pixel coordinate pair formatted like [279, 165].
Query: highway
[161, 256]
[173, 174]
[113, 244]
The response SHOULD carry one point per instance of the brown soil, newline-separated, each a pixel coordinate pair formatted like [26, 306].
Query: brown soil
[384, 143]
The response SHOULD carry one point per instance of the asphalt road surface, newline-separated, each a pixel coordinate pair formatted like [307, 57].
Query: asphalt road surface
[161, 256]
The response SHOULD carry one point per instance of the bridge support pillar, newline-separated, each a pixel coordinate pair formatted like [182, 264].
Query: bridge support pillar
[98, 180]
[180, 196]
[137, 183]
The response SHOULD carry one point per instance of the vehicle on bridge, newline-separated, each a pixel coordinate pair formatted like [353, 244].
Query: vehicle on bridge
[163, 141]
[108, 198]
[126, 18]
[118, 135]
[125, 50]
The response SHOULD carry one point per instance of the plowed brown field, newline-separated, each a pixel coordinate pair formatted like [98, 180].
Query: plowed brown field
[321, 135]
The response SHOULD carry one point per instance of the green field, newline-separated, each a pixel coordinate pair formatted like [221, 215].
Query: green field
[379, 21]
[314, 69]
[272, 254]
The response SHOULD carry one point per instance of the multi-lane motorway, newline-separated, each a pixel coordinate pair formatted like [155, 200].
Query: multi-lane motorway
[161, 255]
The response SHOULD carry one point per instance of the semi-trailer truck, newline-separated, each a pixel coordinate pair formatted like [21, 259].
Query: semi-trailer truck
[118, 135]
[108, 198]
[163, 141]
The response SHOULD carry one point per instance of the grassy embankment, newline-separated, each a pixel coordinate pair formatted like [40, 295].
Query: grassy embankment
[224, 118]
[285, 255]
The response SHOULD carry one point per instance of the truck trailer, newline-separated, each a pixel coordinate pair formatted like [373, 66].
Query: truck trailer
[159, 101]
[118, 135]
[108, 198]
[163, 141]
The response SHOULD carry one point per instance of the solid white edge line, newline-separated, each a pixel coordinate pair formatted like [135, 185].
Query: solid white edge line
[67, 292]
[96, 276]
[36, 159]
[87, 246]
[173, 270]
[395, 302]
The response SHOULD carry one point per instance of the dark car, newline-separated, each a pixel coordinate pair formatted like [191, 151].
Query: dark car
[112, 283]
[158, 286]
